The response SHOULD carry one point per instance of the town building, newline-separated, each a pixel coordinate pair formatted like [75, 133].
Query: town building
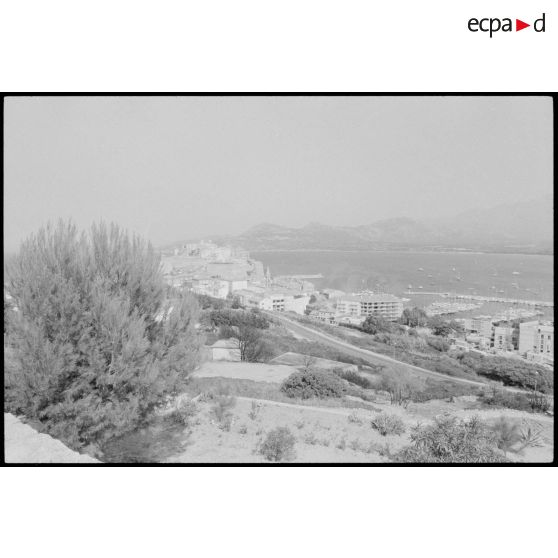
[387, 306]
[481, 325]
[273, 301]
[536, 341]
[225, 349]
[325, 316]
[503, 339]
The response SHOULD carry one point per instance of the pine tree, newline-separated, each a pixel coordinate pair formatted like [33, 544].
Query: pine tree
[90, 355]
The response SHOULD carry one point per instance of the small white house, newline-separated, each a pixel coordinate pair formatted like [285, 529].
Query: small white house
[225, 349]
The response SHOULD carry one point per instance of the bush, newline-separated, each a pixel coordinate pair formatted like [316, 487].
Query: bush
[181, 415]
[354, 378]
[229, 317]
[388, 424]
[221, 410]
[450, 440]
[278, 445]
[531, 402]
[376, 324]
[511, 371]
[438, 343]
[95, 345]
[306, 384]
[507, 433]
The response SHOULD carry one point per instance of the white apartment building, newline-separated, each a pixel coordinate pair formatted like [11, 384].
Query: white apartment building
[536, 339]
[274, 302]
[385, 305]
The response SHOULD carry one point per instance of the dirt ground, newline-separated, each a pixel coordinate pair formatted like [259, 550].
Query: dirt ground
[331, 435]
[260, 372]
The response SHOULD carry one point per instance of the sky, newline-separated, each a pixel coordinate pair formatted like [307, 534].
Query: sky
[176, 168]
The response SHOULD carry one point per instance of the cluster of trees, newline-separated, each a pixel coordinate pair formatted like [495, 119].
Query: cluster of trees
[510, 371]
[246, 328]
[411, 317]
[95, 345]
[414, 317]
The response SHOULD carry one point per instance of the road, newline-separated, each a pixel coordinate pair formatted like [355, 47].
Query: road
[367, 355]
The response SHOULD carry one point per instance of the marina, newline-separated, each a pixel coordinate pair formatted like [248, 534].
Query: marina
[541, 303]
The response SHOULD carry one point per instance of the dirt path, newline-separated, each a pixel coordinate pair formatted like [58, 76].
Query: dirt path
[343, 411]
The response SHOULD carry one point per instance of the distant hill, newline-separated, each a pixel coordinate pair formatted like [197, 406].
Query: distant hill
[521, 227]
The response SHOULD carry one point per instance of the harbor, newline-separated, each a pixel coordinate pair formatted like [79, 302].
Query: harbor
[538, 303]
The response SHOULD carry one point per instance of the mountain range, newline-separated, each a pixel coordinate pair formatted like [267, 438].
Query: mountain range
[515, 227]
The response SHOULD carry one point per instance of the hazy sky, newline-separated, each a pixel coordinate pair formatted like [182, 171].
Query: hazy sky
[172, 168]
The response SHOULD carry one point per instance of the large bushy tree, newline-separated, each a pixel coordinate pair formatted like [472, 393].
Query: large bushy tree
[94, 345]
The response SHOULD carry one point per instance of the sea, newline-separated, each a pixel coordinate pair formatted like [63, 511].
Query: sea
[418, 276]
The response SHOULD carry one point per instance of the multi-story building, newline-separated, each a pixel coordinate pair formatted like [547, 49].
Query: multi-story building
[481, 325]
[325, 316]
[273, 302]
[503, 338]
[536, 338]
[385, 305]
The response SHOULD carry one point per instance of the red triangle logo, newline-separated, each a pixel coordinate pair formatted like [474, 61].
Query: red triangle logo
[519, 25]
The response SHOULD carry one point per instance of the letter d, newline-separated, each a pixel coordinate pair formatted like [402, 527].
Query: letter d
[535, 25]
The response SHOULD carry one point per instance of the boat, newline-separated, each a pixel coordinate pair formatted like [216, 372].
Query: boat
[430, 276]
[420, 269]
[420, 286]
[516, 273]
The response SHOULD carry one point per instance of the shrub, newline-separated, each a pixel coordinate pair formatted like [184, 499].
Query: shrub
[342, 444]
[255, 409]
[278, 445]
[95, 345]
[221, 411]
[450, 440]
[511, 371]
[354, 378]
[376, 324]
[400, 392]
[530, 437]
[388, 424]
[182, 414]
[532, 402]
[355, 417]
[507, 433]
[438, 343]
[306, 384]
[242, 429]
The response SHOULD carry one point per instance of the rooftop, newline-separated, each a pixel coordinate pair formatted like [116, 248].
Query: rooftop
[371, 298]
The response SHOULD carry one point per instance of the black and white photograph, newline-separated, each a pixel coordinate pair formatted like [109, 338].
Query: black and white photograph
[278, 280]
